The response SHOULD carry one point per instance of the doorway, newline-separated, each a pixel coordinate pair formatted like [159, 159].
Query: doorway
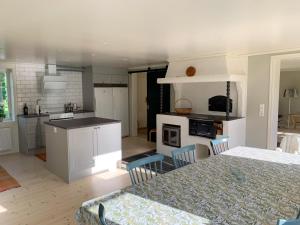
[158, 100]
[284, 104]
[147, 98]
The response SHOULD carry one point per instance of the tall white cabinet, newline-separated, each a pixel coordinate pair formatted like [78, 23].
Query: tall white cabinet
[112, 103]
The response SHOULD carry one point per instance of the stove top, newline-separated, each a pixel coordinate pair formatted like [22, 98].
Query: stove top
[61, 115]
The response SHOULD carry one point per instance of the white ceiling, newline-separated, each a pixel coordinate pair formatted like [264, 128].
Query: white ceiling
[126, 33]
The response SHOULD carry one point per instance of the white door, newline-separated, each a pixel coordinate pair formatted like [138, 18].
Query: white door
[104, 102]
[120, 108]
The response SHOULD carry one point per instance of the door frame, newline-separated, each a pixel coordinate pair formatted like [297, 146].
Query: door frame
[275, 66]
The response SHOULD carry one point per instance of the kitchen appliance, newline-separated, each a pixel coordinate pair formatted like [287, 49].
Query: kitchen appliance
[202, 128]
[171, 135]
[69, 107]
[61, 116]
[218, 103]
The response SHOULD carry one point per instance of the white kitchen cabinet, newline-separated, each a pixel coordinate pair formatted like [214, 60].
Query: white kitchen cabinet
[80, 152]
[112, 103]
[82, 149]
[120, 107]
[104, 102]
[31, 133]
[106, 141]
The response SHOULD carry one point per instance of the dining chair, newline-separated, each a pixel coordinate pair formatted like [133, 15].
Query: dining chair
[183, 156]
[290, 222]
[101, 214]
[219, 145]
[143, 169]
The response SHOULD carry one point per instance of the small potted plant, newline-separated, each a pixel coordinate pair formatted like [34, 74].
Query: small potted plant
[2, 114]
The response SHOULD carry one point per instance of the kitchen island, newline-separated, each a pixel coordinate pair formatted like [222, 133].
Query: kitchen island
[81, 147]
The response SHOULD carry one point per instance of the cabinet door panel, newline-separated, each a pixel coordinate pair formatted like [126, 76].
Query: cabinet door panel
[109, 138]
[81, 147]
[104, 102]
[120, 106]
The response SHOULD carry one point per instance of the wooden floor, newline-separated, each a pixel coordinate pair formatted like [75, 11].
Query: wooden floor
[43, 198]
[136, 145]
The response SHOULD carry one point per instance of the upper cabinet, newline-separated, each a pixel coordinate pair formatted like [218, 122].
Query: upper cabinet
[95, 76]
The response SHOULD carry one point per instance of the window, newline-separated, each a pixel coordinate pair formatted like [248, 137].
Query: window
[5, 96]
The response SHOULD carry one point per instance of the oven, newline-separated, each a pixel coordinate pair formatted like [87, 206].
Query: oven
[202, 128]
[61, 116]
[171, 135]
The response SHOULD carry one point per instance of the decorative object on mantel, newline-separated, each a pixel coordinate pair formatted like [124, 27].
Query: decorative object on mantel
[183, 110]
[190, 71]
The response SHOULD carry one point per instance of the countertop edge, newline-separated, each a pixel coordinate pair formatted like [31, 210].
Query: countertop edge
[49, 123]
[199, 116]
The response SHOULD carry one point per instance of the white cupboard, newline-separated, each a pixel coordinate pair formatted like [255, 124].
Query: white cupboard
[104, 102]
[112, 103]
[80, 152]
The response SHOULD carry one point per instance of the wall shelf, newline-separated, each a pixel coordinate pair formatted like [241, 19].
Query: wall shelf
[202, 79]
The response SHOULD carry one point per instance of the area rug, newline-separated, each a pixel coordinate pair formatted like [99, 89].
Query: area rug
[42, 156]
[167, 164]
[6, 181]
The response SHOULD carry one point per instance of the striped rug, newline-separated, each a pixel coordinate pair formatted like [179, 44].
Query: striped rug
[6, 181]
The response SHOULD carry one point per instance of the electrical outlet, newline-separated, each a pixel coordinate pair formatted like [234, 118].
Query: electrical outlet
[261, 110]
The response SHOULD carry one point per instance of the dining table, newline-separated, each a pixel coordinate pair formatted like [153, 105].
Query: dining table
[241, 186]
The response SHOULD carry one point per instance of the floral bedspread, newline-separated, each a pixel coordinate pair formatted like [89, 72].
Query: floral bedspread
[220, 190]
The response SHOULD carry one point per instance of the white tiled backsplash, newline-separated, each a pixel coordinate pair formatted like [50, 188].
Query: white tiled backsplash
[29, 89]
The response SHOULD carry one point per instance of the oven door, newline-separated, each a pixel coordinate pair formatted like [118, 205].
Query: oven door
[171, 136]
[174, 137]
[202, 128]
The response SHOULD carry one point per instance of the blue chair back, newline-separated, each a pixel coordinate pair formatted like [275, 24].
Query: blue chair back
[219, 145]
[290, 222]
[184, 156]
[101, 215]
[143, 169]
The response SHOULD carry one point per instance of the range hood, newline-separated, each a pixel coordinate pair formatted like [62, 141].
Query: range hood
[53, 80]
[212, 69]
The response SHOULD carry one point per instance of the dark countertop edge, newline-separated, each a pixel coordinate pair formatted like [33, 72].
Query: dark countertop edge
[51, 123]
[83, 111]
[33, 115]
[199, 116]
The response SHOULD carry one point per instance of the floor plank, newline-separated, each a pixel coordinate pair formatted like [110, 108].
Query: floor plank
[43, 198]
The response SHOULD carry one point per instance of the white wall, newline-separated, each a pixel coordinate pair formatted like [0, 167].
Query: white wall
[109, 75]
[289, 79]
[28, 78]
[142, 103]
[199, 93]
[258, 93]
